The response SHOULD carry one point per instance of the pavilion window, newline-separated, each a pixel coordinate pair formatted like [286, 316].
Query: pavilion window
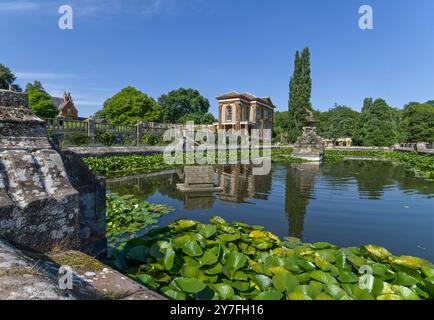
[229, 114]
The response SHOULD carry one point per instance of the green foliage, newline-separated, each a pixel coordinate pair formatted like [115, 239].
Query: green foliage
[300, 88]
[130, 106]
[418, 123]
[179, 103]
[127, 215]
[338, 122]
[106, 138]
[237, 261]
[124, 165]
[423, 164]
[377, 125]
[198, 118]
[7, 78]
[40, 101]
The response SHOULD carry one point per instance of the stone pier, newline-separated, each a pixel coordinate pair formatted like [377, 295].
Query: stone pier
[43, 205]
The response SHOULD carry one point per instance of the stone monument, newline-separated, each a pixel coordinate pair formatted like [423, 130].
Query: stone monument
[309, 146]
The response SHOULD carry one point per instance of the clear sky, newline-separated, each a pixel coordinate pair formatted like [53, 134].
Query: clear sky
[217, 46]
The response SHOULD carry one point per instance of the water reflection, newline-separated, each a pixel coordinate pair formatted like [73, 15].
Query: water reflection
[350, 203]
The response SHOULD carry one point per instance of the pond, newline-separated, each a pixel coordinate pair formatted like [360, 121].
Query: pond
[351, 203]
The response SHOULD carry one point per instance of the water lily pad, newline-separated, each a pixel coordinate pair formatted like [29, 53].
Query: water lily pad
[375, 252]
[190, 285]
[207, 230]
[138, 253]
[235, 260]
[323, 277]
[412, 262]
[348, 277]
[192, 249]
[224, 291]
[183, 224]
[262, 281]
[284, 281]
[298, 296]
[269, 295]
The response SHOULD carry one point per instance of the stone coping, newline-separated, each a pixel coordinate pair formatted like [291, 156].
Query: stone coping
[28, 275]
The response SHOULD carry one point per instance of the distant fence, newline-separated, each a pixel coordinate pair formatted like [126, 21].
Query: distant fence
[66, 132]
[421, 147]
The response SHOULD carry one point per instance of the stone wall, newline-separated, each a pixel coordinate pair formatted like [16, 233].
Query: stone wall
[42, 205]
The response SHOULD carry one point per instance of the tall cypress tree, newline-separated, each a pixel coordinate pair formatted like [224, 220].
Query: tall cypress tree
[300, 89]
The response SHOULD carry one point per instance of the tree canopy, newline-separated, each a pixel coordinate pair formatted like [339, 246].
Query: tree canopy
[179, 103]
[338, 122]
[7, 78]
[300, 88]
[130, 106]
[40, 101]
[417, 123]
[377, 125]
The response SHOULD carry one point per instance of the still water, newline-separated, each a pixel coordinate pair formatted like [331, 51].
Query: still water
[349, 204]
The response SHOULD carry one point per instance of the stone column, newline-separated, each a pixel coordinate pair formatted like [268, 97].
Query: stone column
[91, 126]
[139, 134]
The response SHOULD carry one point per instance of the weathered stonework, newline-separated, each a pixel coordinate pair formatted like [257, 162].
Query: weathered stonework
[39, 208]
[310, 145]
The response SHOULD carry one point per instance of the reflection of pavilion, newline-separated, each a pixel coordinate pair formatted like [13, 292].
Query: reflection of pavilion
[239, 184]
[300, 181]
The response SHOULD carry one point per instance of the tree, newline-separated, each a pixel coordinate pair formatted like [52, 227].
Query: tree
[300, 88]
[377, 125]
[130, 106]
[7, 78]
[198, 118]
[417, 123]
[178, 103]
[338, 122]
[40, 101]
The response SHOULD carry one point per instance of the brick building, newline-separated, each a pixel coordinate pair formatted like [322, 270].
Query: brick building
[244, 112]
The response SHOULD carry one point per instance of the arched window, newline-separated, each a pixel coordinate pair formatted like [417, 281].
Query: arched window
[229, 114]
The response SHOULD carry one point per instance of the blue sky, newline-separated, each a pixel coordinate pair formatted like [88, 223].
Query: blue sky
[217, 46]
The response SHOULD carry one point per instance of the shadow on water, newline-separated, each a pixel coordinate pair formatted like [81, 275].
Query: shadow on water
[349, 203]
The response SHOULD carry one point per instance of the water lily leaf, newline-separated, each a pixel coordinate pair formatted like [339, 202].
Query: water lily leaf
[322, 263]
[290, 263]
[284, 281]
[235, 261]
[322, 245]
[322, 296]
[306, 265]
[389, 297]
[218, 220]
[262, 244]
[356, 260]
[224, 291]
[323, 277]
[262, 281]
[274, 270]
[138, 253]
[428, 272]
[158, 249]
[179, 242]
[169, 259]
[376, 253]
[190, 285]
[412, 262]
[209, 258]
[147, 280]
[404, 279]
[269, 295]
[304, 277]
[335, 292]
[207, 230]
[192, 249]
[328, 254]
[240, 276]
[405, 292]
[348, 277]
[217, 269]
[308, 290]
[229, 237]
[183, 224]
[175, 295]
[238, 285]
[188, 271]
[298, 296]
